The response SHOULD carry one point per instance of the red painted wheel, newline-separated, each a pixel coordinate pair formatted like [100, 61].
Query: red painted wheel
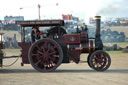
[45, 55]
[100, 60]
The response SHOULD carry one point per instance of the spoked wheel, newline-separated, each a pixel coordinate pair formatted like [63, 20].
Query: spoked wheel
[45, 55]
[56, 32]
[100, 60]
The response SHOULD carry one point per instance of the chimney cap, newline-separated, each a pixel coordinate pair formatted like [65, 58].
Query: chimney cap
[97, 17]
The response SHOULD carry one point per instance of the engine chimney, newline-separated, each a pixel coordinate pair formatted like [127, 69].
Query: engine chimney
[98, 18]
[98, 44]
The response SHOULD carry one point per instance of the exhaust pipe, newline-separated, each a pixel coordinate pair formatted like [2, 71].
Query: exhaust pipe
[98, 41]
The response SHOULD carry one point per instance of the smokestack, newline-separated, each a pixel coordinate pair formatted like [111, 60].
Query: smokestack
[98, 41]
[98, 18]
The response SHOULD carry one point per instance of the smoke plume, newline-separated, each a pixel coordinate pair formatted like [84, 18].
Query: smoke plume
[116, 8]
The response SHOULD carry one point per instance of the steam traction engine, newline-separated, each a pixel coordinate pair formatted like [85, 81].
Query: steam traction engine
[58, 47]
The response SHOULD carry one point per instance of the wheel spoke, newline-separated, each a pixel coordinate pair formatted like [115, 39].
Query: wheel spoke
[98, 56]
[52, 53]
[46, 44]
[48, 48]
[43, 48]
[35, 54]
[52, 58]
[57, 56]
[38, 47]
[42, 62]
[95, 56]
[40, 52]
[37, 62]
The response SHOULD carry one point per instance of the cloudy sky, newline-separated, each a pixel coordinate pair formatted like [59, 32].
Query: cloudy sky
[55, 8]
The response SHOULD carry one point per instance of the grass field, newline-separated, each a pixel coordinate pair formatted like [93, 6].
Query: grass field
[11, 34]
[121, 44]
[119, 29]
[114, 52]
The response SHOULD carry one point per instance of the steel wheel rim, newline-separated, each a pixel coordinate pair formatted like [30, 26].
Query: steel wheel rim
[45, 55]
[88, 58]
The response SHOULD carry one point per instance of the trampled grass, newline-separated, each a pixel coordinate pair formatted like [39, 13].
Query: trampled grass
[114, 52]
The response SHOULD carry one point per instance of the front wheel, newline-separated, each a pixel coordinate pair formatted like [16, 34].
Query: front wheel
[100, 60]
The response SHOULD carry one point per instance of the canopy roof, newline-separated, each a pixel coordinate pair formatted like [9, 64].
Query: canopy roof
[41, 23]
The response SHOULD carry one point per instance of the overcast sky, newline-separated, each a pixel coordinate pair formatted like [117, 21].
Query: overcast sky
[55, 8]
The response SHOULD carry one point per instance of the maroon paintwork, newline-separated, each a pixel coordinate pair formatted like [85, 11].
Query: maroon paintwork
[84, 35]
[24, 51]
[74, 55]
[72, 39]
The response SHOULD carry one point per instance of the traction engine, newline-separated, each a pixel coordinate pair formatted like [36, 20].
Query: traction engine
[58, 47]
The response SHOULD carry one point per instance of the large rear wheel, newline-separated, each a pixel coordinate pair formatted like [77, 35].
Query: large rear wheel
[45, 55]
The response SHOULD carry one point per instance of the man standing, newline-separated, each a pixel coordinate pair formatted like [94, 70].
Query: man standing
[35, 34]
